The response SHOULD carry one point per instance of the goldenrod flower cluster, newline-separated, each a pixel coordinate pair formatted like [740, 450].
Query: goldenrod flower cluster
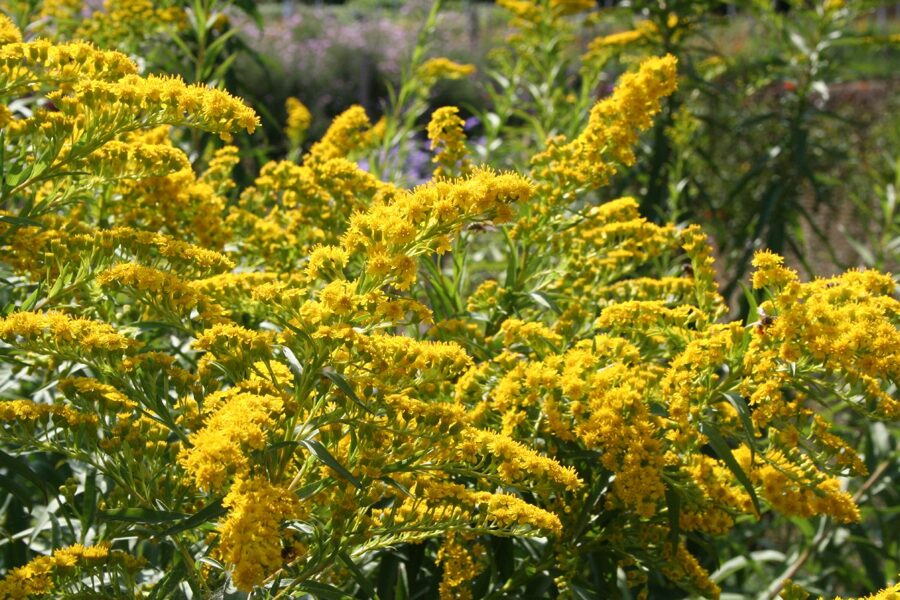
[448, 140]
[601, 48]
[298, 121]
[117, 24]
[436, 69]
[459, 567]
[889, 593]
[284, 381]
[61, 570]
[568, 167]
[531, 13]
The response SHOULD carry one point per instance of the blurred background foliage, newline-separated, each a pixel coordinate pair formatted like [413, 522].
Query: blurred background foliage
[784, 134]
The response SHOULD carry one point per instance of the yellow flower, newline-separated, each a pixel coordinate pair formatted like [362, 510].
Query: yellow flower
[519, 464]
[770, 271]
[116, 160]
[535, 335]
[615, 122]
[239, 425]
[233, 346]
[40, 576]
[622, 38]
[347, 133]
[166, 292]
[435, 69]
[250, 536]
[122, 22]
[794, 486]
[445, 130]
[419, 220]
[324, 260]
[184, 256]
[26, 410]
[218, 171]
[9, 33]
[55, 333]
[298, 121]
[589, 160]
[568, 7]
[682, 566]
[458, 562]
[100, 395]
[23, 64]
[845, 323]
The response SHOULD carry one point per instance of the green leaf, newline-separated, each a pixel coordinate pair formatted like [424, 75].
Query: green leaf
[20, 221]
[165, 587]
[744, 412]
[545, 301]
[341, 382]
[222, 69]
[14, 179]
[512, 261]
[309, 489]
[140, 515]
[322, 454]
[156, 326]
[88, 503]
[19, 466]
[581, 593]
[60, 282]
[219, 44]
[300, 333]
[387, 580]
[504, 558]
[204, 515]
[730, 567]
[718, 444]
[250, 9]
[865, 253]
[673, 505]
[9, 485]
[364, 584]
[31, 301]
[753, 308]
[438, 286]
[323, 590]
[400, 487]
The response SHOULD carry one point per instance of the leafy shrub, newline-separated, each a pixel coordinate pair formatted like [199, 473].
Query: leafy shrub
[779, 119]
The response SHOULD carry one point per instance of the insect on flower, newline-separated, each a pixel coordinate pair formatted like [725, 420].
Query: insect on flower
[765, 320]
[481, 227]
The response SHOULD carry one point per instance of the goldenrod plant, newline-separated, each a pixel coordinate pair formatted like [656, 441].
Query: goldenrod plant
[394, 135]
[760, 140]
[328, 384]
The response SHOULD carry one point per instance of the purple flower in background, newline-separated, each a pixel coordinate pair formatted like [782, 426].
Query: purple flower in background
[334, 56]
[418, 166]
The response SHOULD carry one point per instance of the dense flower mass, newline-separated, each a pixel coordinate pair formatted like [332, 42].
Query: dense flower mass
[40, 576]
[282, 387]
[443, 68]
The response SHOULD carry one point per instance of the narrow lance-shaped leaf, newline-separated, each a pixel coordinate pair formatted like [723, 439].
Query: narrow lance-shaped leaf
[323, 455]
[720, 446]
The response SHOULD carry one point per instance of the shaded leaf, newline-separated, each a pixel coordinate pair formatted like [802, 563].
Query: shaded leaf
[720, 446]
[204, 515]
[342, 384]
[20, 467]
[323, 590]
[322, 454]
